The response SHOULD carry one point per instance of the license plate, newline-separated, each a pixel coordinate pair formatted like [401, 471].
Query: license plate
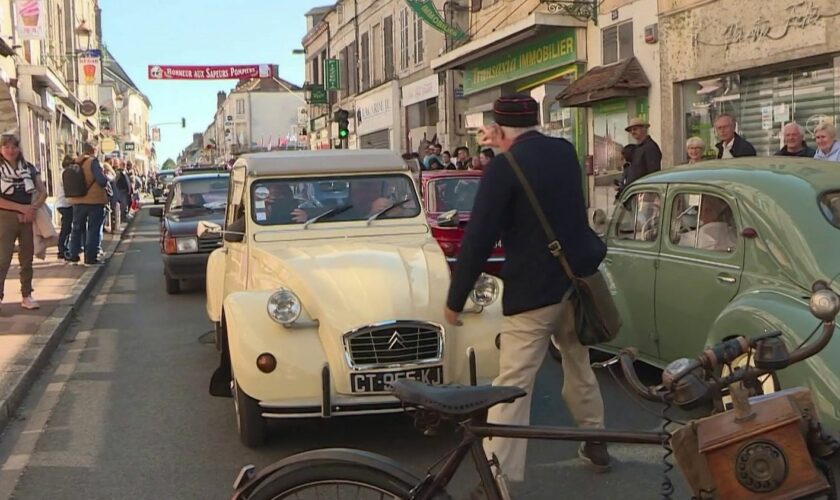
[381, 381]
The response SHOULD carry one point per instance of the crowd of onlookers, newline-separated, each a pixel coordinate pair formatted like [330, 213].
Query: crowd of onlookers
[644, 157]
[435, 158]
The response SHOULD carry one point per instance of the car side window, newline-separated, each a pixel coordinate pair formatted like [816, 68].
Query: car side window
[639, 217]
[704, 222]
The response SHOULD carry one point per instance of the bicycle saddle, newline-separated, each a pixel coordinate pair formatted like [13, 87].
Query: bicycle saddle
[456, 400]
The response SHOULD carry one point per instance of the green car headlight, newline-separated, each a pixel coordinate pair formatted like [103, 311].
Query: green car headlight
[284, 306]
[486, 290]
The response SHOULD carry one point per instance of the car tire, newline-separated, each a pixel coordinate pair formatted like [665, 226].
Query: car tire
[173, 286]
[768, 385]
[252, 427]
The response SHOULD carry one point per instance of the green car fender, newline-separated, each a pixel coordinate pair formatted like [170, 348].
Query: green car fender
[756, 313]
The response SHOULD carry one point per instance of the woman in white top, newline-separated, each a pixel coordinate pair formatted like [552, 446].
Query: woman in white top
[827, 146]
[65, 209]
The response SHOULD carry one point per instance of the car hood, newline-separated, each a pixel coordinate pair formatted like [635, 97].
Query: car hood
[345, 284]
[186, 222]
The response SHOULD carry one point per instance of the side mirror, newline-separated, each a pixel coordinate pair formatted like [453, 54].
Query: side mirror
[156, 212]
[599, 222]
[449, 219]
[205, 228]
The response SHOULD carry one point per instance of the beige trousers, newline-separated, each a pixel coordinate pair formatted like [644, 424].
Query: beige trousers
[11, 231]
[524, 342]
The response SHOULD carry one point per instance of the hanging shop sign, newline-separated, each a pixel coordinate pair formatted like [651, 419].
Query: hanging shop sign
[158, 72]
[108, 145]
[88, 108]
[90, 67]
[32, 19]
[521, 61]
[426, 10]
[331, 74]
[128, 146]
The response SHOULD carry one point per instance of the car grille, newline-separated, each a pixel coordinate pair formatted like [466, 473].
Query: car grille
[209, 243]
[394, 342]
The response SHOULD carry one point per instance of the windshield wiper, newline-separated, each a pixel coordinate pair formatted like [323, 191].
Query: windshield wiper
[328, 213]
[387, 209]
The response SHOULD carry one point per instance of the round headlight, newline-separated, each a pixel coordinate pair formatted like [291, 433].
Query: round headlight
[486, 290]
[284, 306]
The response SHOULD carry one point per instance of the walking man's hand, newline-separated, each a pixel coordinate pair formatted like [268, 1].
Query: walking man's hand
[452, 317]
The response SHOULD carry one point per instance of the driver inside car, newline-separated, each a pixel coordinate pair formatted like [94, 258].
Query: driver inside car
[717, 228]
[280, 203]
[365, 197]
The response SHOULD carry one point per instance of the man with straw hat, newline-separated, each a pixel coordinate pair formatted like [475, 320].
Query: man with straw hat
[646, 158]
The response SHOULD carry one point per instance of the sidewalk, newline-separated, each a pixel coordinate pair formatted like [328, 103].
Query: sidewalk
[28, 338]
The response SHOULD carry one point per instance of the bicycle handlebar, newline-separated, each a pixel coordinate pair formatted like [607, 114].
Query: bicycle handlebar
[825, 305]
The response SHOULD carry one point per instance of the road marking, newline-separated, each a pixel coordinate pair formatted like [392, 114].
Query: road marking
[16, 462]
[21, 437]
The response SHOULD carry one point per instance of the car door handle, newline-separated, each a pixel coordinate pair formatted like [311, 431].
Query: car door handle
[725, 278]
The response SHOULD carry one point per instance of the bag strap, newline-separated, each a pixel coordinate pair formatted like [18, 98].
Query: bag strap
[553, 245]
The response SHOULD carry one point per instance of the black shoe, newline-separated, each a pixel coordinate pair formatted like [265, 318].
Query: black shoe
[73, 260]
[595, 454]
[93, 263]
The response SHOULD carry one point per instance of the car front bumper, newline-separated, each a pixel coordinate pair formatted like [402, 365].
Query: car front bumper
[331, 404]
[186, 266]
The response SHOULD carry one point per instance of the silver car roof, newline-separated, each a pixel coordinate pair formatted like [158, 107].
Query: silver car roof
[334, 161]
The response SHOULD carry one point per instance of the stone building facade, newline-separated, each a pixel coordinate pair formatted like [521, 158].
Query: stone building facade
[766, 62]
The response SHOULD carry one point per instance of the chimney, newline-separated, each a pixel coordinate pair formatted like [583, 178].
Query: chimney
[220, 99]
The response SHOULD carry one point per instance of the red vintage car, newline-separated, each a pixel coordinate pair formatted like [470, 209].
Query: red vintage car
[448, 196]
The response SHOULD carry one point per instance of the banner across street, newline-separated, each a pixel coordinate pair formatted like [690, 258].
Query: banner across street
[162, 72]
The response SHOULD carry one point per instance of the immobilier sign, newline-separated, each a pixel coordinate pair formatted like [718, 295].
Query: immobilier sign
[519, 62]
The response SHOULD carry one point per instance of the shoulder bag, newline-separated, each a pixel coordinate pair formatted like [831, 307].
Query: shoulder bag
[596, 315]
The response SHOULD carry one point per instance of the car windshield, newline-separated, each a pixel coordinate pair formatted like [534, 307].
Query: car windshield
[830, 206]
[452, 194]
[200, 193]
[294, 201]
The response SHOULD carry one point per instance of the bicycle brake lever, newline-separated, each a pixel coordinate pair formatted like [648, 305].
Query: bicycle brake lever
[605, 364]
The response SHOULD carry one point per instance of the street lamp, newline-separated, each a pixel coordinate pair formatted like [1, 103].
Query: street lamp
[83, 32]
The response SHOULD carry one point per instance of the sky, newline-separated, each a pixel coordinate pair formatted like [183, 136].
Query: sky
[200, 32]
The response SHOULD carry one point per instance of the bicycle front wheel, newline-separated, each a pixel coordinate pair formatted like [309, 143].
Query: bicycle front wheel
[332, 474]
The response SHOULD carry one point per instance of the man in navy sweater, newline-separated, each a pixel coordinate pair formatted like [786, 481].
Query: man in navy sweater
[535, 301]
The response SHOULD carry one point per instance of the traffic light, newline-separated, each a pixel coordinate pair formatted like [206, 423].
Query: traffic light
[342, 116]
[183, 123]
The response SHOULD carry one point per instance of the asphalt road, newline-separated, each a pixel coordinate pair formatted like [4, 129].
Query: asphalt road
[124, 412]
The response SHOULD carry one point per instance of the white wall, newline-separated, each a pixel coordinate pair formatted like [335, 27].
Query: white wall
[273, 114]
[642, 13]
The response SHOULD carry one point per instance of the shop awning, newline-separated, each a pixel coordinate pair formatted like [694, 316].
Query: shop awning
[621, 79]
[538, 23]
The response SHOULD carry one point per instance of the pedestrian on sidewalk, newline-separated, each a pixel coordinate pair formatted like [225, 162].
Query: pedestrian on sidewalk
[22, 193]
[88, 210]
[695, 147]
[65, 209]
[123, 189]
[535, 302]
[794, 139]
[827, 146]
[646, 157]
[731, 144]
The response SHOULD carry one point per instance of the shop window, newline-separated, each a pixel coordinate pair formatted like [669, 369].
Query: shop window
[419, 42]
[405, 46]
[388, 32]
[639, 218]
[704, 222]
[761, 103]
[365, 66]
[617, 42]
